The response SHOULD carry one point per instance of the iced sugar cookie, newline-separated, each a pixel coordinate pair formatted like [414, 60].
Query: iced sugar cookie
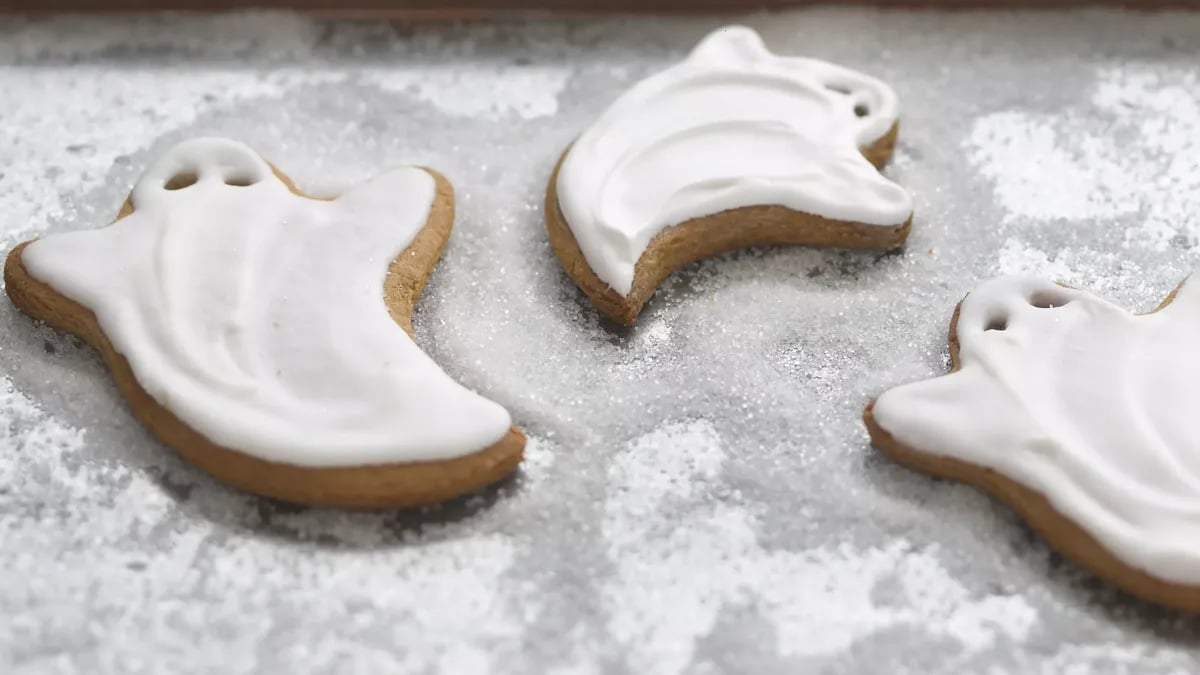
[265, 335]
[1079, 415]
[733, 147]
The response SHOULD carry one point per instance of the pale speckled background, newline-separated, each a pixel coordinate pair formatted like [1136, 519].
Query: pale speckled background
[699, 494]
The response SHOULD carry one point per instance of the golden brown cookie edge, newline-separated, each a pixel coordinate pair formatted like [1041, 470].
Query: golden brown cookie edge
[381, 486]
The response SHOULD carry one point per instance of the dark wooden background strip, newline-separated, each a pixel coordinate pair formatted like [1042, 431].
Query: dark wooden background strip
[449, 9]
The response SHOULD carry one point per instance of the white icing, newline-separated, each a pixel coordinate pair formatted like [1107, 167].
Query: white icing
[731, 126]
[257, 316]
[1083, 402]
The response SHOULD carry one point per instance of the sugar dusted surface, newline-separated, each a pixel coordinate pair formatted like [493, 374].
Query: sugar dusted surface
[699, 494]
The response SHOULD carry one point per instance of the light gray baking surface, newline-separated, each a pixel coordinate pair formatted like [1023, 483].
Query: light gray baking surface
[699, 494]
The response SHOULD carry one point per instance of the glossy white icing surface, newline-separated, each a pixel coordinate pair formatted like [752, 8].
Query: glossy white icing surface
[733, 125]
[1081, 401]
[257, 316]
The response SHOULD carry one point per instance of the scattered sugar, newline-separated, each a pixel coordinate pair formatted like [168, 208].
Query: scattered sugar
[478, 90]
[1016, 258]
[1129, 185]
[1081, 660]
[51, 448]
[1009, 145]
[158, 574]
[682, 559]
[1144, 162]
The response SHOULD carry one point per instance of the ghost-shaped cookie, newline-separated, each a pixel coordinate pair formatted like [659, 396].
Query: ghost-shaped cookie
[1078, 414]
[264, 334]
[732, 147]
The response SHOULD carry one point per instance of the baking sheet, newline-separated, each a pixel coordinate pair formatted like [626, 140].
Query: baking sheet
[699, 494]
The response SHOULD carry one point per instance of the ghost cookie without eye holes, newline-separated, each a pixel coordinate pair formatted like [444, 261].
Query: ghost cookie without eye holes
[1080, 416]
[266, 335]
[733, 147]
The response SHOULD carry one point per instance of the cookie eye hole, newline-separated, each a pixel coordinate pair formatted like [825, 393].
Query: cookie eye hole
[862, 110]
[180, 180]
[240, 180]
[996, 323]
[1047, 300]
